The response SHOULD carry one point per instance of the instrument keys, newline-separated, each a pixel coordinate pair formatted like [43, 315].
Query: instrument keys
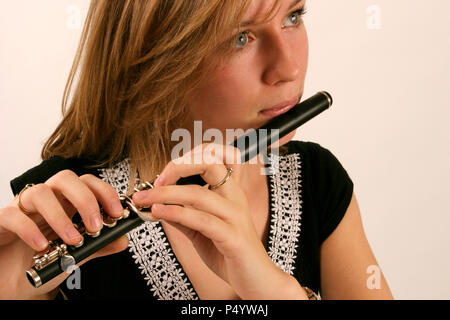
[67, 263]
[94, 234]
[58, 251]
[79, 244]
[109, 221]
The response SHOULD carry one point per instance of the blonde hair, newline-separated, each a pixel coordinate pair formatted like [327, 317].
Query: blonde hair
[138, 62]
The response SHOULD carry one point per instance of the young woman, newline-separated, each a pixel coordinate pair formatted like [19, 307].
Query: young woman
[147, 68]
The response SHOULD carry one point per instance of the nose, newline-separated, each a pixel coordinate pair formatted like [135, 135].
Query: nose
[283, 63]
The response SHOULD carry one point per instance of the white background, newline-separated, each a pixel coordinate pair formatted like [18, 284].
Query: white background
[389, 75]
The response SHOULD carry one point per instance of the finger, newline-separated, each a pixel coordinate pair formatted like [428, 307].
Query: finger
[207, 160]
[82, 198]
[43, 200]
[186, 195]
[25, 203]
[15, 221]
[189, 233]
[68, 207]
[207, 224]
[105, 194]
[228, 155]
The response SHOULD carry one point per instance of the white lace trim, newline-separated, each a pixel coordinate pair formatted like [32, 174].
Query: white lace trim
[151, 249]
[285, 188]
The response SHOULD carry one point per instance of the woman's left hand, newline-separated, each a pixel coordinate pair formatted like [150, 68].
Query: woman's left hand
[218, 222]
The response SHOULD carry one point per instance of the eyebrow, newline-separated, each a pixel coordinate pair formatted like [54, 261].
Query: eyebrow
[252, 22]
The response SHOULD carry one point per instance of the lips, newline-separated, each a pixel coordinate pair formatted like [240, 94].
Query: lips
[280, 108]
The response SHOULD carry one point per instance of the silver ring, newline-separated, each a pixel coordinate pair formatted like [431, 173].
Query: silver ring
[229, 171]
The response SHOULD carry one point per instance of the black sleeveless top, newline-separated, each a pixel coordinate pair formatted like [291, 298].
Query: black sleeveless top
[309, 193]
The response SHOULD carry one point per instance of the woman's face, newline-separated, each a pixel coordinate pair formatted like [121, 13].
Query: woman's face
[267, 68]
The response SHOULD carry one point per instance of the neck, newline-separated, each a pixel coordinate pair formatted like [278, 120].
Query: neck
[251, 172]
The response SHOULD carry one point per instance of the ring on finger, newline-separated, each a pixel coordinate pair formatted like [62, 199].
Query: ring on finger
[229, 171]
[19, 204]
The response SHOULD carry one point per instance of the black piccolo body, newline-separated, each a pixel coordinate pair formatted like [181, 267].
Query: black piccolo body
[60, 257]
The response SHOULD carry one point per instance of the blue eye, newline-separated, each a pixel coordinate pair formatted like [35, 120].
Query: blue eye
[242, 39]
[294, 18]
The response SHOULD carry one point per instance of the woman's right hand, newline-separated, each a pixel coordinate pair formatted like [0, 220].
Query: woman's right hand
[51, 206]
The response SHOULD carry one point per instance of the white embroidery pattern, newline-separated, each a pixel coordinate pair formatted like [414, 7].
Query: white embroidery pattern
[286, 203]
[150, 248]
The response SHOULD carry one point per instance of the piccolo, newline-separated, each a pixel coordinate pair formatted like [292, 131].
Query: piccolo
[60, 257]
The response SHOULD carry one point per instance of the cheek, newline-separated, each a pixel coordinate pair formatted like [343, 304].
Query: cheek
[228, 81]
[224, 90]
[304, 49]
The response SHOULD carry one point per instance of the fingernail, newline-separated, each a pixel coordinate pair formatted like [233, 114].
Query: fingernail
[117, 208]
[159, 181]
[141, 195]
[40, 242]
[96, 222]
[160, 207]
[72, 233]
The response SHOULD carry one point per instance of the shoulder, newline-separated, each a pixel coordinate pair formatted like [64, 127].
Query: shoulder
[49, 167]
[320, 161]
[315, 154]
[328, 182]
[323, 172]
[298, 146]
